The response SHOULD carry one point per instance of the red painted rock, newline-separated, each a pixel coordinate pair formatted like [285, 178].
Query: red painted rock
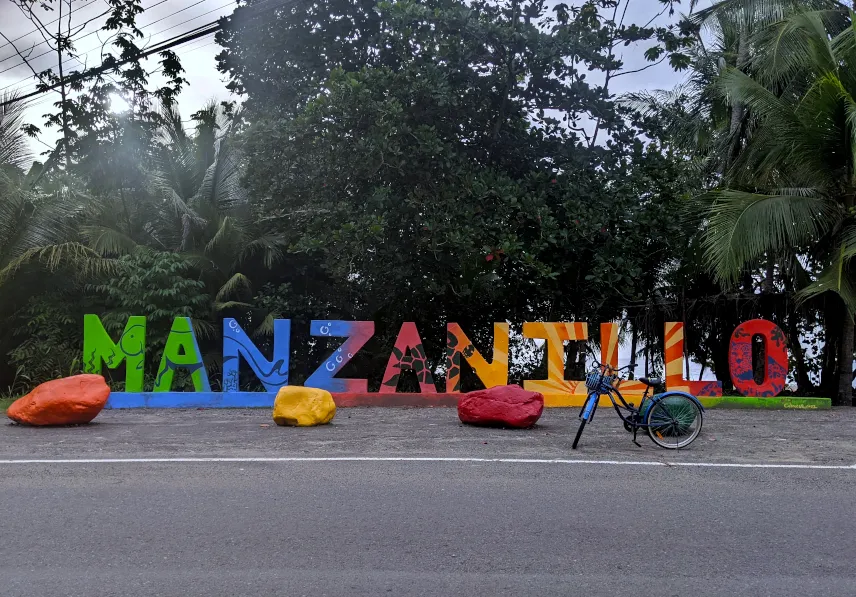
[503, 406]
[69, 401]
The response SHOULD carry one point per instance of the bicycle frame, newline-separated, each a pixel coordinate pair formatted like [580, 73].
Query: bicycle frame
[635, 415]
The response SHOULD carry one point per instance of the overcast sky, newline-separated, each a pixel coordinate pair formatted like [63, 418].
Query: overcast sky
[163, 19]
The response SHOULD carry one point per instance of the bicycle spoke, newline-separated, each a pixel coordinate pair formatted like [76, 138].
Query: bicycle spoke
[674, 421]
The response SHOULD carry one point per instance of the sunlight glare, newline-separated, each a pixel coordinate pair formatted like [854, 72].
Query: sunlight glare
[118, 104]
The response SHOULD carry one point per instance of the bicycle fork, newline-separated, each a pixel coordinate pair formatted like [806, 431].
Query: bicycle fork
[590, 406]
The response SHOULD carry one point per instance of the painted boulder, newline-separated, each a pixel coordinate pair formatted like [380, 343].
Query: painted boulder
[69, 401]
[298, 406]
[501, 406]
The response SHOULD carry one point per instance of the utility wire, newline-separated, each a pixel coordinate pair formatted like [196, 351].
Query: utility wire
[91, 33]
[180, 55]
[44, 41]
[50, 100]
[201, 31]
[67, 60]
[36, 30]
[94, 72]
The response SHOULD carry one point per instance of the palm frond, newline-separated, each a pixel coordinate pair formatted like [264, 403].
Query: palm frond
[228, 237]
[229, 305]
[79, 258]
[743, 227]
[798, 44]
[792, 141]
[837, 276]
[270, 246]
[756, 14]
[221, 189]
[13, 140]
[108, 241]
[236, 282]
[203, 329]
[265, 328]
[740, 87]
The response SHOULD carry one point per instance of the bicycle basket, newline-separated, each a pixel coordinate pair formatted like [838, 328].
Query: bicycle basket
[597, 382]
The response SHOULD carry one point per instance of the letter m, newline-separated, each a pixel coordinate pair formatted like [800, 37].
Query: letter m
[99, 348]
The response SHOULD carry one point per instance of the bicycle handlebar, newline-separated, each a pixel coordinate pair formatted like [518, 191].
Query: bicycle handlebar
[626, 367]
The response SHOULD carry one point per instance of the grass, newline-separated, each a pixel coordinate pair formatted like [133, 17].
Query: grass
[5, 403]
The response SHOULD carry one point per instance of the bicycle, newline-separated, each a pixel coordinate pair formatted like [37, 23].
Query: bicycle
[673, 419]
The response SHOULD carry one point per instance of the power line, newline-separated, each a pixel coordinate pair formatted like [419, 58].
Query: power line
[36, 30]
[67, 60]
[188, 36]
[44, 41]
[180, 55]
[94, 72]
[91, 33]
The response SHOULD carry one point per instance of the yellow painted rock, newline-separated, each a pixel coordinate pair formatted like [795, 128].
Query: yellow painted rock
[303, 407]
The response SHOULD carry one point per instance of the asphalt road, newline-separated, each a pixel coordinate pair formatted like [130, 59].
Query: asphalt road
[426, 528]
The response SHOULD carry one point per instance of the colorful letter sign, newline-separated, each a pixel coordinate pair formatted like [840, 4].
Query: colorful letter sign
[555, 334]
[408, 355]
[182, 352]
[273, 374]
[674, 335]
[609, 356]
[98, 348]
[458, 346]
[775, 363]
[357, 334]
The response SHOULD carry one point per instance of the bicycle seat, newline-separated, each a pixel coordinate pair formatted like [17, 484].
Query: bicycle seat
[651, 381]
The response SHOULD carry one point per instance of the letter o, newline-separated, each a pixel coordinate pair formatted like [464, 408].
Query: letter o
[776, 358]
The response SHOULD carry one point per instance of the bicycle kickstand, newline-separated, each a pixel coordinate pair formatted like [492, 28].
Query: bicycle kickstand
[635, 431]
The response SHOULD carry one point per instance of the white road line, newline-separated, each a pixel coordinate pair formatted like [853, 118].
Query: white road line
[426, 459]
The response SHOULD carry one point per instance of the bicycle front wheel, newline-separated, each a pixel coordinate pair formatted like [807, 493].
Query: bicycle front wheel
[585, 417]
[674, 422]
[579, 434]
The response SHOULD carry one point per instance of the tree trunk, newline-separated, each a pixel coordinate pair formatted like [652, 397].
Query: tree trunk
[62, 90]
[738, 109]
[832, 334]
[572, 350]
[803, 380]
[769, 276]
[719, 356]
[844, 396]
[634, 338]
[686, 361]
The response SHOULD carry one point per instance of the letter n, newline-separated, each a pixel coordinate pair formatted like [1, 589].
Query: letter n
[273, 374]
[458, 346]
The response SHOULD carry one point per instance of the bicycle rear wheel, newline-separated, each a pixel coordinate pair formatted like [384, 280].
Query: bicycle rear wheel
[674, 421]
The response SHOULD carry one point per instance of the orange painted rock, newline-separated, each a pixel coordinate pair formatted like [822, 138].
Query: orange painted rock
[69, 401]
[502, 406]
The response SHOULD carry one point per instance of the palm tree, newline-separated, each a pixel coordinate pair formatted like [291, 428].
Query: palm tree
[193, 204]
[791, 191]
[36, 226]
